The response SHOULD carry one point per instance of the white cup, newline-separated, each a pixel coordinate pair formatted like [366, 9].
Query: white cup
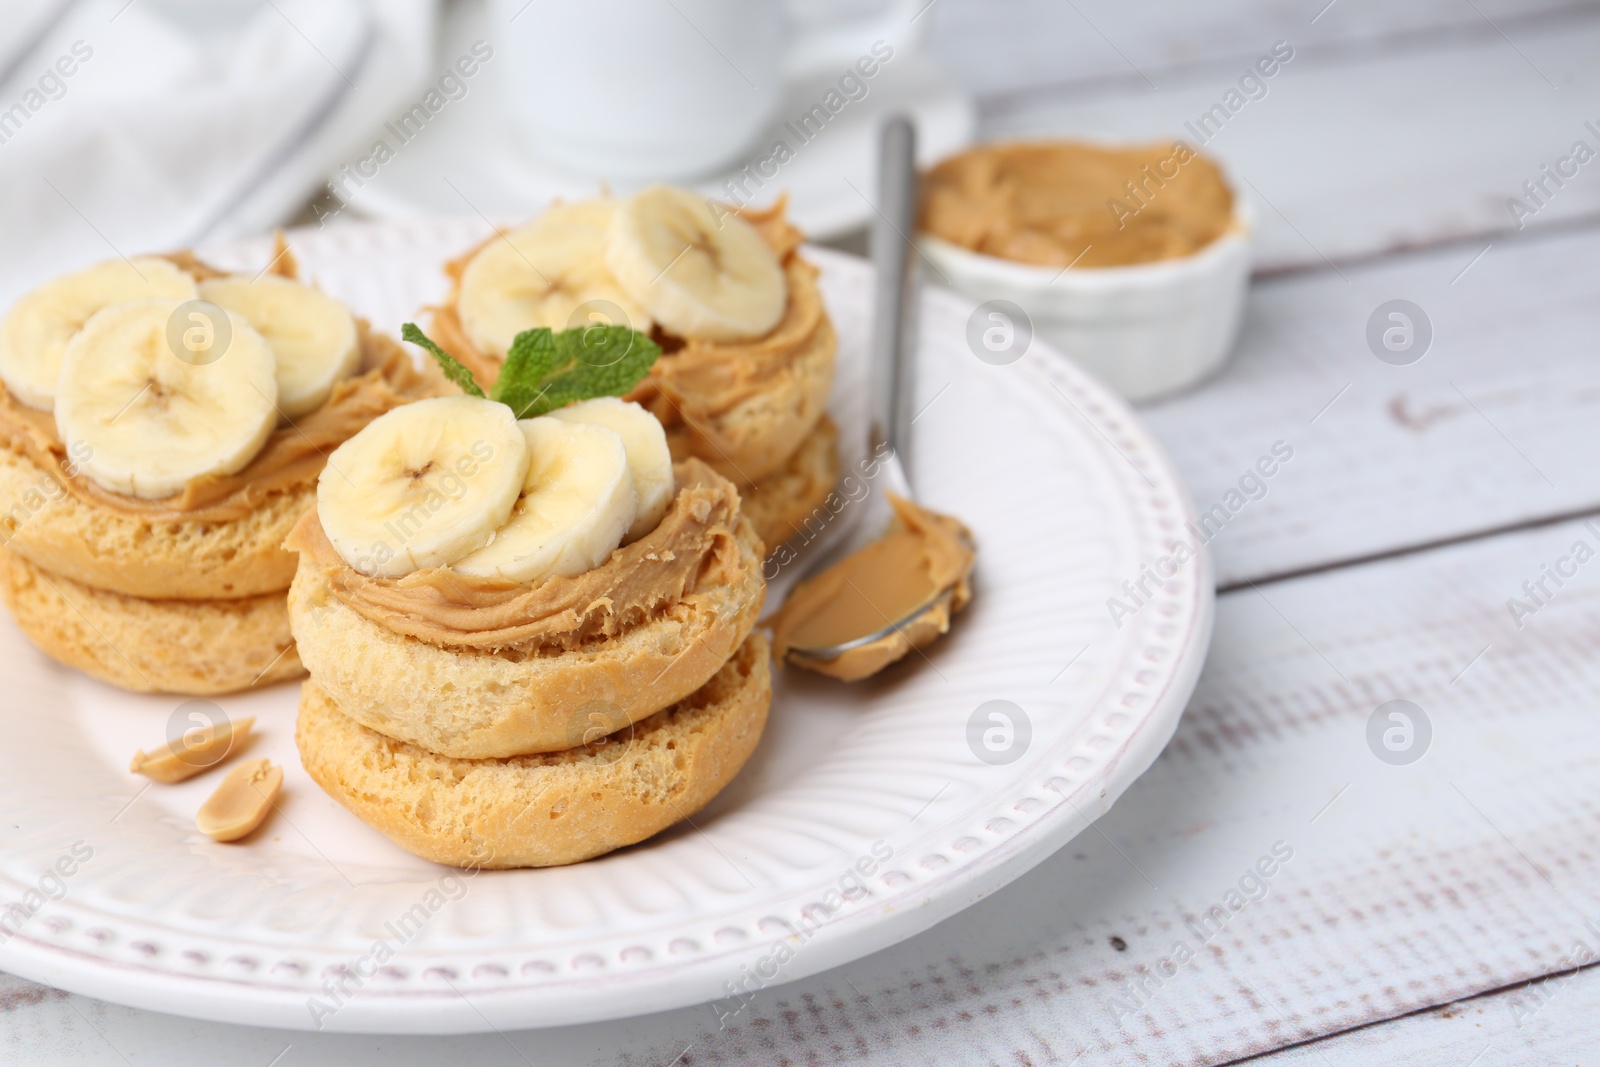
[208, 14]
[663, 89]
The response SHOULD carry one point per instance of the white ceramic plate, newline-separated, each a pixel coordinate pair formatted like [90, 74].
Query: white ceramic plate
[1068, 497]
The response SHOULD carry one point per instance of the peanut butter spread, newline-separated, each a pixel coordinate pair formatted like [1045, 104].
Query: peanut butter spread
[1061, 203]
[695, 380]
[692, 548]
[292, 457]
[922, 555]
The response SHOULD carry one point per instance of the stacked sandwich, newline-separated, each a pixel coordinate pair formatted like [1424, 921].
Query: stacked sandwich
[529, 639]
[748, 347]
[162, 426]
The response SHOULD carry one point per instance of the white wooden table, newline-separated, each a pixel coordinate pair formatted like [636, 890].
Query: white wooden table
[1426, 906]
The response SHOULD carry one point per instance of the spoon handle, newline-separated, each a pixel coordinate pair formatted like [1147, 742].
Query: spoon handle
[891, 379]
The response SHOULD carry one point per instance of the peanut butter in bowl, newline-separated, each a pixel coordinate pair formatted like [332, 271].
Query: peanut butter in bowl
[1069, 203]
[1132, 260]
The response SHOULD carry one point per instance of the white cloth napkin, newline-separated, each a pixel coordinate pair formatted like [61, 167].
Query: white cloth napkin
[25, 22]
[136, 126]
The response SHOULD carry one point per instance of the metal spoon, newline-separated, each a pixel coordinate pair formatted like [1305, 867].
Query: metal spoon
[890, 380]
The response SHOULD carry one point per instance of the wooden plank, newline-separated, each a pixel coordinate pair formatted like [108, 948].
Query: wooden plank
[1407, 887]
[1082, 45]
[1495, 425]
[1361, 151]
[1556, 1020]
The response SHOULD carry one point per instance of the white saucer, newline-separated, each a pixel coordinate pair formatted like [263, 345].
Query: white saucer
[470, 160]
[867, 814]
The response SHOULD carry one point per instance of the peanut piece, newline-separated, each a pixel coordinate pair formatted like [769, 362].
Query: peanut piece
[194, 752]
[241, 801]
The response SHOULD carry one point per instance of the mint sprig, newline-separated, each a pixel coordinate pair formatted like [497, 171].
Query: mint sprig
[545, 370]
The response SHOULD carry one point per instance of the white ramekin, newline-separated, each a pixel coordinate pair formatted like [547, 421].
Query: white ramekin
[1146, 330]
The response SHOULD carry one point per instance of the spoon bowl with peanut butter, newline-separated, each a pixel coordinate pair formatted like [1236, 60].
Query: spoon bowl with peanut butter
[892, 586]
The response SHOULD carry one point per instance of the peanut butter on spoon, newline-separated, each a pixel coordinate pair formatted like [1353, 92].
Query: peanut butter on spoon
[895, 591]
[874, 606]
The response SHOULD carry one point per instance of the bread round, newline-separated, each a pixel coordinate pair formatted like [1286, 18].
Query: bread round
[493, 704]
[756, 438]
[197, 647]
[143, 558]
[540, 811]
[780, 505]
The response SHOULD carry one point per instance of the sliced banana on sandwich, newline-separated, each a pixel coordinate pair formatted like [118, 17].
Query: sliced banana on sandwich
[313, 336]
[423, 485]
[576, 504]
[649, 458]
[35, 332]
[697, 275]
[541, 274]
[149, 422]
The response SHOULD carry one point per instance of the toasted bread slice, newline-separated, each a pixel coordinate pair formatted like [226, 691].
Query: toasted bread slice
[543, 810]
[199, 647]
[476, 703]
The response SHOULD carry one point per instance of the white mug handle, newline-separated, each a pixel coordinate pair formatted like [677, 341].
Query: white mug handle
[820, 49]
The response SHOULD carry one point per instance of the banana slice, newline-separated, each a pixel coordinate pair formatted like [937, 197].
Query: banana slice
[541, 274]
[313, 336]
[696, 276]
[150, 422]
[649, 459]
[575, 506]
[423, 485]
[35, 332]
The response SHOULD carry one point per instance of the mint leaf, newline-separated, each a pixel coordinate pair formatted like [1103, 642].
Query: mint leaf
[530, 361]
[546, 371]
[602, 361]
[447, 363]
